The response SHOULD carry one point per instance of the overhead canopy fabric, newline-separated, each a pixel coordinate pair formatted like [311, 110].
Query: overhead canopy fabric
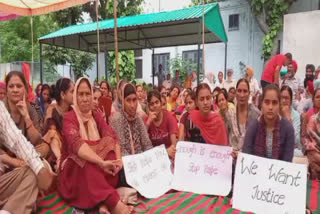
[36, 7]
[151, 30]
[6, 16]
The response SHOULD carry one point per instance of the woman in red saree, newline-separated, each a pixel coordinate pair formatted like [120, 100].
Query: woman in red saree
[90, 158]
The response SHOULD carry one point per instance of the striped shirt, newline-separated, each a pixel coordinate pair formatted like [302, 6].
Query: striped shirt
[15, 141]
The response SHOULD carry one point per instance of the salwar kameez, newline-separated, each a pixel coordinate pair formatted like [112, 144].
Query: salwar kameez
[82, 184]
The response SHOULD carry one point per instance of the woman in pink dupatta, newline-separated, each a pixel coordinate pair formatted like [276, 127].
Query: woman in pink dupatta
[89, 169]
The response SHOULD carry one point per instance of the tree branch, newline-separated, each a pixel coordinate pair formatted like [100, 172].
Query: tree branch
[260, 19]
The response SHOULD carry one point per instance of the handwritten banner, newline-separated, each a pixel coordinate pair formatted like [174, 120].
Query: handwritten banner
[203, 168]
[149, 172]
[269, 186]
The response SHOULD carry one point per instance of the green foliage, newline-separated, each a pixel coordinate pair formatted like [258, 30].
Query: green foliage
[124, 8]
[80, 61]
[273, 10]
[51, 75]
[68, 16]
[126, 59]
[183, 66]
[197, 2]
[15, 37]
[127, 66]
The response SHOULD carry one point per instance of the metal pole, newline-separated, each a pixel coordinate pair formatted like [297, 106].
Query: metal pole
[225, 58]
[105, 56]
[198, 60]
[97, 61]
[106, 64]
[41, 68]
[98, 37]
[32, 67]
[116, 38]
[203, 39]
[153, 66]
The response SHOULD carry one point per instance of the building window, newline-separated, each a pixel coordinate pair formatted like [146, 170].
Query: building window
[162, 59]
[192, 57]
[234, 22]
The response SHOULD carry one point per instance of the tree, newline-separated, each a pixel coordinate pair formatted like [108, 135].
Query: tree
[51, 75]
[16, 37]
[127, 66]
[197, 2]
[183, 66]
[269, 16]
[80, 61]
[126, 59]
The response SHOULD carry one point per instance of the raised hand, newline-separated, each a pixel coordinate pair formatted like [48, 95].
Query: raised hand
[171, 152]
[151, 117]
[22, 108]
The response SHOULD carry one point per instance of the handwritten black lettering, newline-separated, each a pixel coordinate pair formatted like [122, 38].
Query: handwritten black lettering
[132, 167]
[268, 196]
[160, 154]
[250, 170]
[282, 177]
[149, 176]
[145, 161]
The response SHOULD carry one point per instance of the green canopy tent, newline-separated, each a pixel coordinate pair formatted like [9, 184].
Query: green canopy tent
[145, 31]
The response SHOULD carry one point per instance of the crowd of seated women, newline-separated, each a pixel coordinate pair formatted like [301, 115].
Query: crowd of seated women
[82, 142]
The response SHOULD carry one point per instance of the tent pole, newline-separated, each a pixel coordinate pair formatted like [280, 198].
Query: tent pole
[105, 57]
[152, 66]
[203, 40]
[31, 24]
[98, 37]
[106, 64]
[41, 69]
[116, 38]
[198, 60]
[225, 59]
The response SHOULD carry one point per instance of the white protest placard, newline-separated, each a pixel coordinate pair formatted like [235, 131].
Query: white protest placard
[202, 168]
[267, 186]
[149, 172]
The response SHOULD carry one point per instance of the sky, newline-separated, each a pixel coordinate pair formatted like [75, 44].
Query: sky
[153, 5]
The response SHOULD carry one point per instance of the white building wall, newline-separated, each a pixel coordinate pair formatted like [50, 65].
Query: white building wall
[304, 43]
[244, 45]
